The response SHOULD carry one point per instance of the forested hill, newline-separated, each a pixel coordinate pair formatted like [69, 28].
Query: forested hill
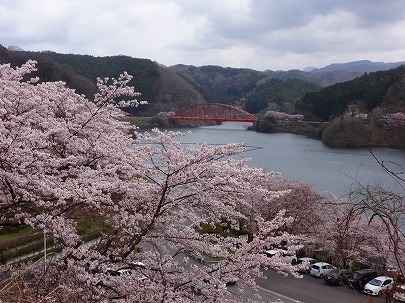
[385, 89]
[50, 70]
[164, 89]
[218, 83]
[253, 90]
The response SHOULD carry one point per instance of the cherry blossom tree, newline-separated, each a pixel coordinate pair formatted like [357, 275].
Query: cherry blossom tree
[280, 116]
[65, 159]
[387, 208]
[348, 236]
[334, 229]
[300, 201]
[386, 205]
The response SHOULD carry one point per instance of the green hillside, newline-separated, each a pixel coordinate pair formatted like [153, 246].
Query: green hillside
[278, 93]
[221, 84]
[358, 112]
[250, 89]
[164, 89]
[376, 89]
[50, 70]
[144, 71]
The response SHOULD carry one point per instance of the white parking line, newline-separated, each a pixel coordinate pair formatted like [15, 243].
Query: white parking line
[279, 295]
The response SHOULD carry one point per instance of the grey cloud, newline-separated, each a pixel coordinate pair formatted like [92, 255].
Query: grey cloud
[267, 15]
[254, 33]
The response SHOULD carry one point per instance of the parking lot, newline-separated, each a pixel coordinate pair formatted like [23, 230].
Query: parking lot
[309, 289]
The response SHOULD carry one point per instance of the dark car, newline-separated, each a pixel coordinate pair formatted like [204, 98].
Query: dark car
[338, 277]
[361, 277]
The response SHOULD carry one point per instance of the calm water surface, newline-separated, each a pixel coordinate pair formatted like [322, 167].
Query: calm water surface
[305, 159]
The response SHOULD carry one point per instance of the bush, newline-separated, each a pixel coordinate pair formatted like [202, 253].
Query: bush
[346, 131]
[266, 125]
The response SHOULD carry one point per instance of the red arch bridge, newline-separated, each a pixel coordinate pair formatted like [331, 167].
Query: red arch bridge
[213, 112]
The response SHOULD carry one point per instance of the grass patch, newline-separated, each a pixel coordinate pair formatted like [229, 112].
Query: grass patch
[26, 249]
[89, 226]
[19, 240]
[11, 232]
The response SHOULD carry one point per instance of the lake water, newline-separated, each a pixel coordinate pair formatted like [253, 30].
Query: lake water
[304, 159]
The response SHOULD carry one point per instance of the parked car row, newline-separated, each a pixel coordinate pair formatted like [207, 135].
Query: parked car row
[364, 280]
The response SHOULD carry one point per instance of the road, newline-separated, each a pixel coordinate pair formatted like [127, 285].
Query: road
[309, 290]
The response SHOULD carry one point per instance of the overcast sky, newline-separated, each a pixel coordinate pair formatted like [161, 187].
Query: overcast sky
[257, 34]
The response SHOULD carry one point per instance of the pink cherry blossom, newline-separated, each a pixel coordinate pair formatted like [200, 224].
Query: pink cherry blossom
[65, 159]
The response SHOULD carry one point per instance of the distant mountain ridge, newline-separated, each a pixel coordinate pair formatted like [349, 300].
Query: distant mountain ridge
[362, 66]
[322, 79]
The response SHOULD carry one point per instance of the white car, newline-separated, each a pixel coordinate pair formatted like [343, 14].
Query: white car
[319, 269]
[284, 255]
[305, 263]
[375, 286]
